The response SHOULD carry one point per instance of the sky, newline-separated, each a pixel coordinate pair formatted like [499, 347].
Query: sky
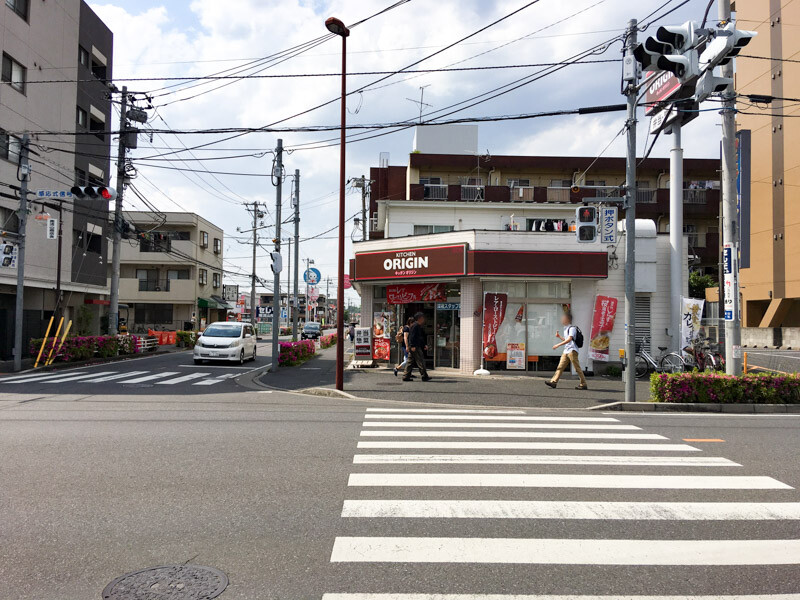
[190, 38]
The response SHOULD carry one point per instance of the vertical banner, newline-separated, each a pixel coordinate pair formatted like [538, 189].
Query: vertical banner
[605, 313]
[691, 313]
[494, 311]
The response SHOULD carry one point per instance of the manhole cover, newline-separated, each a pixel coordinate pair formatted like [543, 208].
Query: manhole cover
[178, 582]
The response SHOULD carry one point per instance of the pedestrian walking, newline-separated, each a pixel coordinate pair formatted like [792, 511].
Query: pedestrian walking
[352, 332]
[402, 339]
[417, 348]
[570, 341]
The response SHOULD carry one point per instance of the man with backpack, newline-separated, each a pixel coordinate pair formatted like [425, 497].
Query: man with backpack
[416, 349]
[571, 341]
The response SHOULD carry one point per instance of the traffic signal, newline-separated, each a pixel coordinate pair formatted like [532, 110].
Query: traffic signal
[586, 228]
[672, 50]
[94, 192]
[277, 262]
[727, 43]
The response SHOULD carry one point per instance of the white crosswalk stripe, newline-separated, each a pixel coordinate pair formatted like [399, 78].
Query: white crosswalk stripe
[130, 377]
[629, 462]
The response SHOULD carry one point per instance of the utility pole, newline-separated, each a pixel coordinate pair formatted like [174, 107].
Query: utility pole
[295, 314]
[327, 300]
[24, 171]
[676, 258]
[277, 177]
[253, 274]
[309, 262]
[59, 309]
[363, 208]
[630, 79]
[113, 308]
[288, 284]
[730, 230]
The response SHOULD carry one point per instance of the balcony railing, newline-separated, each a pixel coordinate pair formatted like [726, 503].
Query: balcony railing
[558, 194]
[472, 193]
[695, 196]
[435, 192]
[154, 285]
[522, 194]
[646, 196]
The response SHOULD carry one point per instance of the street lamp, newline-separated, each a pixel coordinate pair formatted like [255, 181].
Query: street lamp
[336, 27]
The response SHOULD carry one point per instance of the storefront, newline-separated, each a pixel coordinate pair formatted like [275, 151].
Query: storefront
[495, 297]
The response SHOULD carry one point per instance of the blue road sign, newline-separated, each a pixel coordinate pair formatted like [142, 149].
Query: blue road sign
[312, 276]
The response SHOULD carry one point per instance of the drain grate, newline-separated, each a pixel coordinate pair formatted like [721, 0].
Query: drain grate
[170, 582]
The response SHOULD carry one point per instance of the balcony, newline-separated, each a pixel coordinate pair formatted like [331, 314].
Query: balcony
[473, 193]
[696, 204]
[434, 192]
[705, 246]
[175, 291]
[154, 285]
[558, 194]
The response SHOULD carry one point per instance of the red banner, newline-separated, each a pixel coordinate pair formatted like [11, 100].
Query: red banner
[605, 312]
[416, 292]
[494, 311]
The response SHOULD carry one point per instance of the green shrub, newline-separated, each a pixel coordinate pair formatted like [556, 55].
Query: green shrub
[613, 371]
[760, 388]
[186, 338]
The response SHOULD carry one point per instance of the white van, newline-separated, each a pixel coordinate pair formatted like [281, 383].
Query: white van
[226, 341]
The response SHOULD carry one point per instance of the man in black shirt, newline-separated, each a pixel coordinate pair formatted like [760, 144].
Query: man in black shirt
[416, 348]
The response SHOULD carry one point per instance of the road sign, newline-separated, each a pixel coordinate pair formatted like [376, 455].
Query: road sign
[313, 294]
[312, 276]
[608, 225]
[55, 194]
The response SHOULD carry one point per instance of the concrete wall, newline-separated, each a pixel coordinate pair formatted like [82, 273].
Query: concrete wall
[771, 337]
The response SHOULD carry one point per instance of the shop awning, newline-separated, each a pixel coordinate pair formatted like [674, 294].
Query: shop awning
[208, 303]
[222, 303]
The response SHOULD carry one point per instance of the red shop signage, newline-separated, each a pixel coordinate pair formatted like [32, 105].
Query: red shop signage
[494, 311]
[412, 263]
[416, 292]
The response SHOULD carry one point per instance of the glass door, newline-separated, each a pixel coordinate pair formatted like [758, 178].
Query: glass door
[447, 336]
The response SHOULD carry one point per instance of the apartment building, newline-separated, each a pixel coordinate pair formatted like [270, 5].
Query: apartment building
[450, 228]
[42, 41]
[770, 219]
[171, 273]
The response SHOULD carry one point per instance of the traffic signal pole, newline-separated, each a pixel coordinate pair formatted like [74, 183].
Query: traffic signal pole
[253, 274]
[24, 169]
[277, 176]
[631, 91]
[676, 258]
[113, 308]
[296, 310]
[730, 233]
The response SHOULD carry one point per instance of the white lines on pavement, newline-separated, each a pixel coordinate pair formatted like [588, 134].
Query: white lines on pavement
[544, 459]
[547, 480]
[114, 377]
[183, 379]
[515, 434]
[548, 597]
[446, 410]
[529, 446]
[219, 379]
[494, 418]
[496, 425]
[627, 511]
[39, 377]
[207, 366]
[565, 551]
[77, 377]
[150, 377]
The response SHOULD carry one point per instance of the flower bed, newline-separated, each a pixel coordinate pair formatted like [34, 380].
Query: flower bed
[326, 341]
[186, 339]
[761, 388]
[79, 348]
[295, 353]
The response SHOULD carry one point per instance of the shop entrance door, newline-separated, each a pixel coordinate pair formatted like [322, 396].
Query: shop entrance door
[447, 336]
[429, 310]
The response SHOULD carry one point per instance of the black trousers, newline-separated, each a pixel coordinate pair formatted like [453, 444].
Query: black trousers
[416, 358]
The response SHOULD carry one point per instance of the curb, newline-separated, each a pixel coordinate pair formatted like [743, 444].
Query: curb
[738, 408]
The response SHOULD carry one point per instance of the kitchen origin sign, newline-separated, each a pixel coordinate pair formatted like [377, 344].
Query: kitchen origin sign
[664, 85]
[412, 263]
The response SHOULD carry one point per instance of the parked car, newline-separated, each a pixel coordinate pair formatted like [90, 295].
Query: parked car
[311, 331]
[226, 341]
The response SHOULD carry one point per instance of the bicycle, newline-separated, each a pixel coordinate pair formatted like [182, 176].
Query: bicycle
[704, 355]
[666, 362]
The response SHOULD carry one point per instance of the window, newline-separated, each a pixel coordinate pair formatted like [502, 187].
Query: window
[95, 180]
[515, 183]
[83, 118]
[426, 229]
[204, 239]
[10, 147]
[94, 243]
[561, 183]
[430, 180]
[14, 73]
[596, 183]
[217, 246]
[155, 242]
[98, 127]
[178, 274]
[153, 314]
[80, 177]
[8, 220]
[19, 6]
[217, 280]
[202, 278]
[178, 235]
[83, 56]
[98, 69]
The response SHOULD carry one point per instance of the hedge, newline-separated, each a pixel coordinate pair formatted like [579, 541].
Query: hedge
[760, 388]
[78, 348]
[186, 338]
[295, 353]
[326, 341]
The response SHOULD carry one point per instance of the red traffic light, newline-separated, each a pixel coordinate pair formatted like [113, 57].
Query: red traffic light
[105, 193]
[587, 214]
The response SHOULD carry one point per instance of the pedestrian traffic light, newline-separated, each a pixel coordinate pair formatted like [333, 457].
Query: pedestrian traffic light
[586, 228]
[673, 49]
[94, 192]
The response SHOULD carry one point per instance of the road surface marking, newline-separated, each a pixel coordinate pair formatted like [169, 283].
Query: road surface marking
[514, 434]
[565, 551]
[627, 511]
[547, 597]
[219, 379]
[183, 379]
[540, 480]
[150, 377]
[530, 446]
[117, 376]
[702, 440]
[544, 459]
[494, 418]
[446, 410]
[496, 425]
[40, 377]
[77, 377]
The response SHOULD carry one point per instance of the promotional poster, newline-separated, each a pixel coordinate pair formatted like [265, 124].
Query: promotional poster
[691, 313]
[605, 313]
[494, 312]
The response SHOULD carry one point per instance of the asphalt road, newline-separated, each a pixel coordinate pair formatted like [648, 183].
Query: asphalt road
[781, 361]
[298, 497]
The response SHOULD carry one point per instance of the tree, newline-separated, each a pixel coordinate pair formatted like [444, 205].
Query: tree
[698, 282]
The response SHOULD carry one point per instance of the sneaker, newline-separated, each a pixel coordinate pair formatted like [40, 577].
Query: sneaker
[395, 371]
[407, 379]
[426, 379]
[550, 384]
[581, 387]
